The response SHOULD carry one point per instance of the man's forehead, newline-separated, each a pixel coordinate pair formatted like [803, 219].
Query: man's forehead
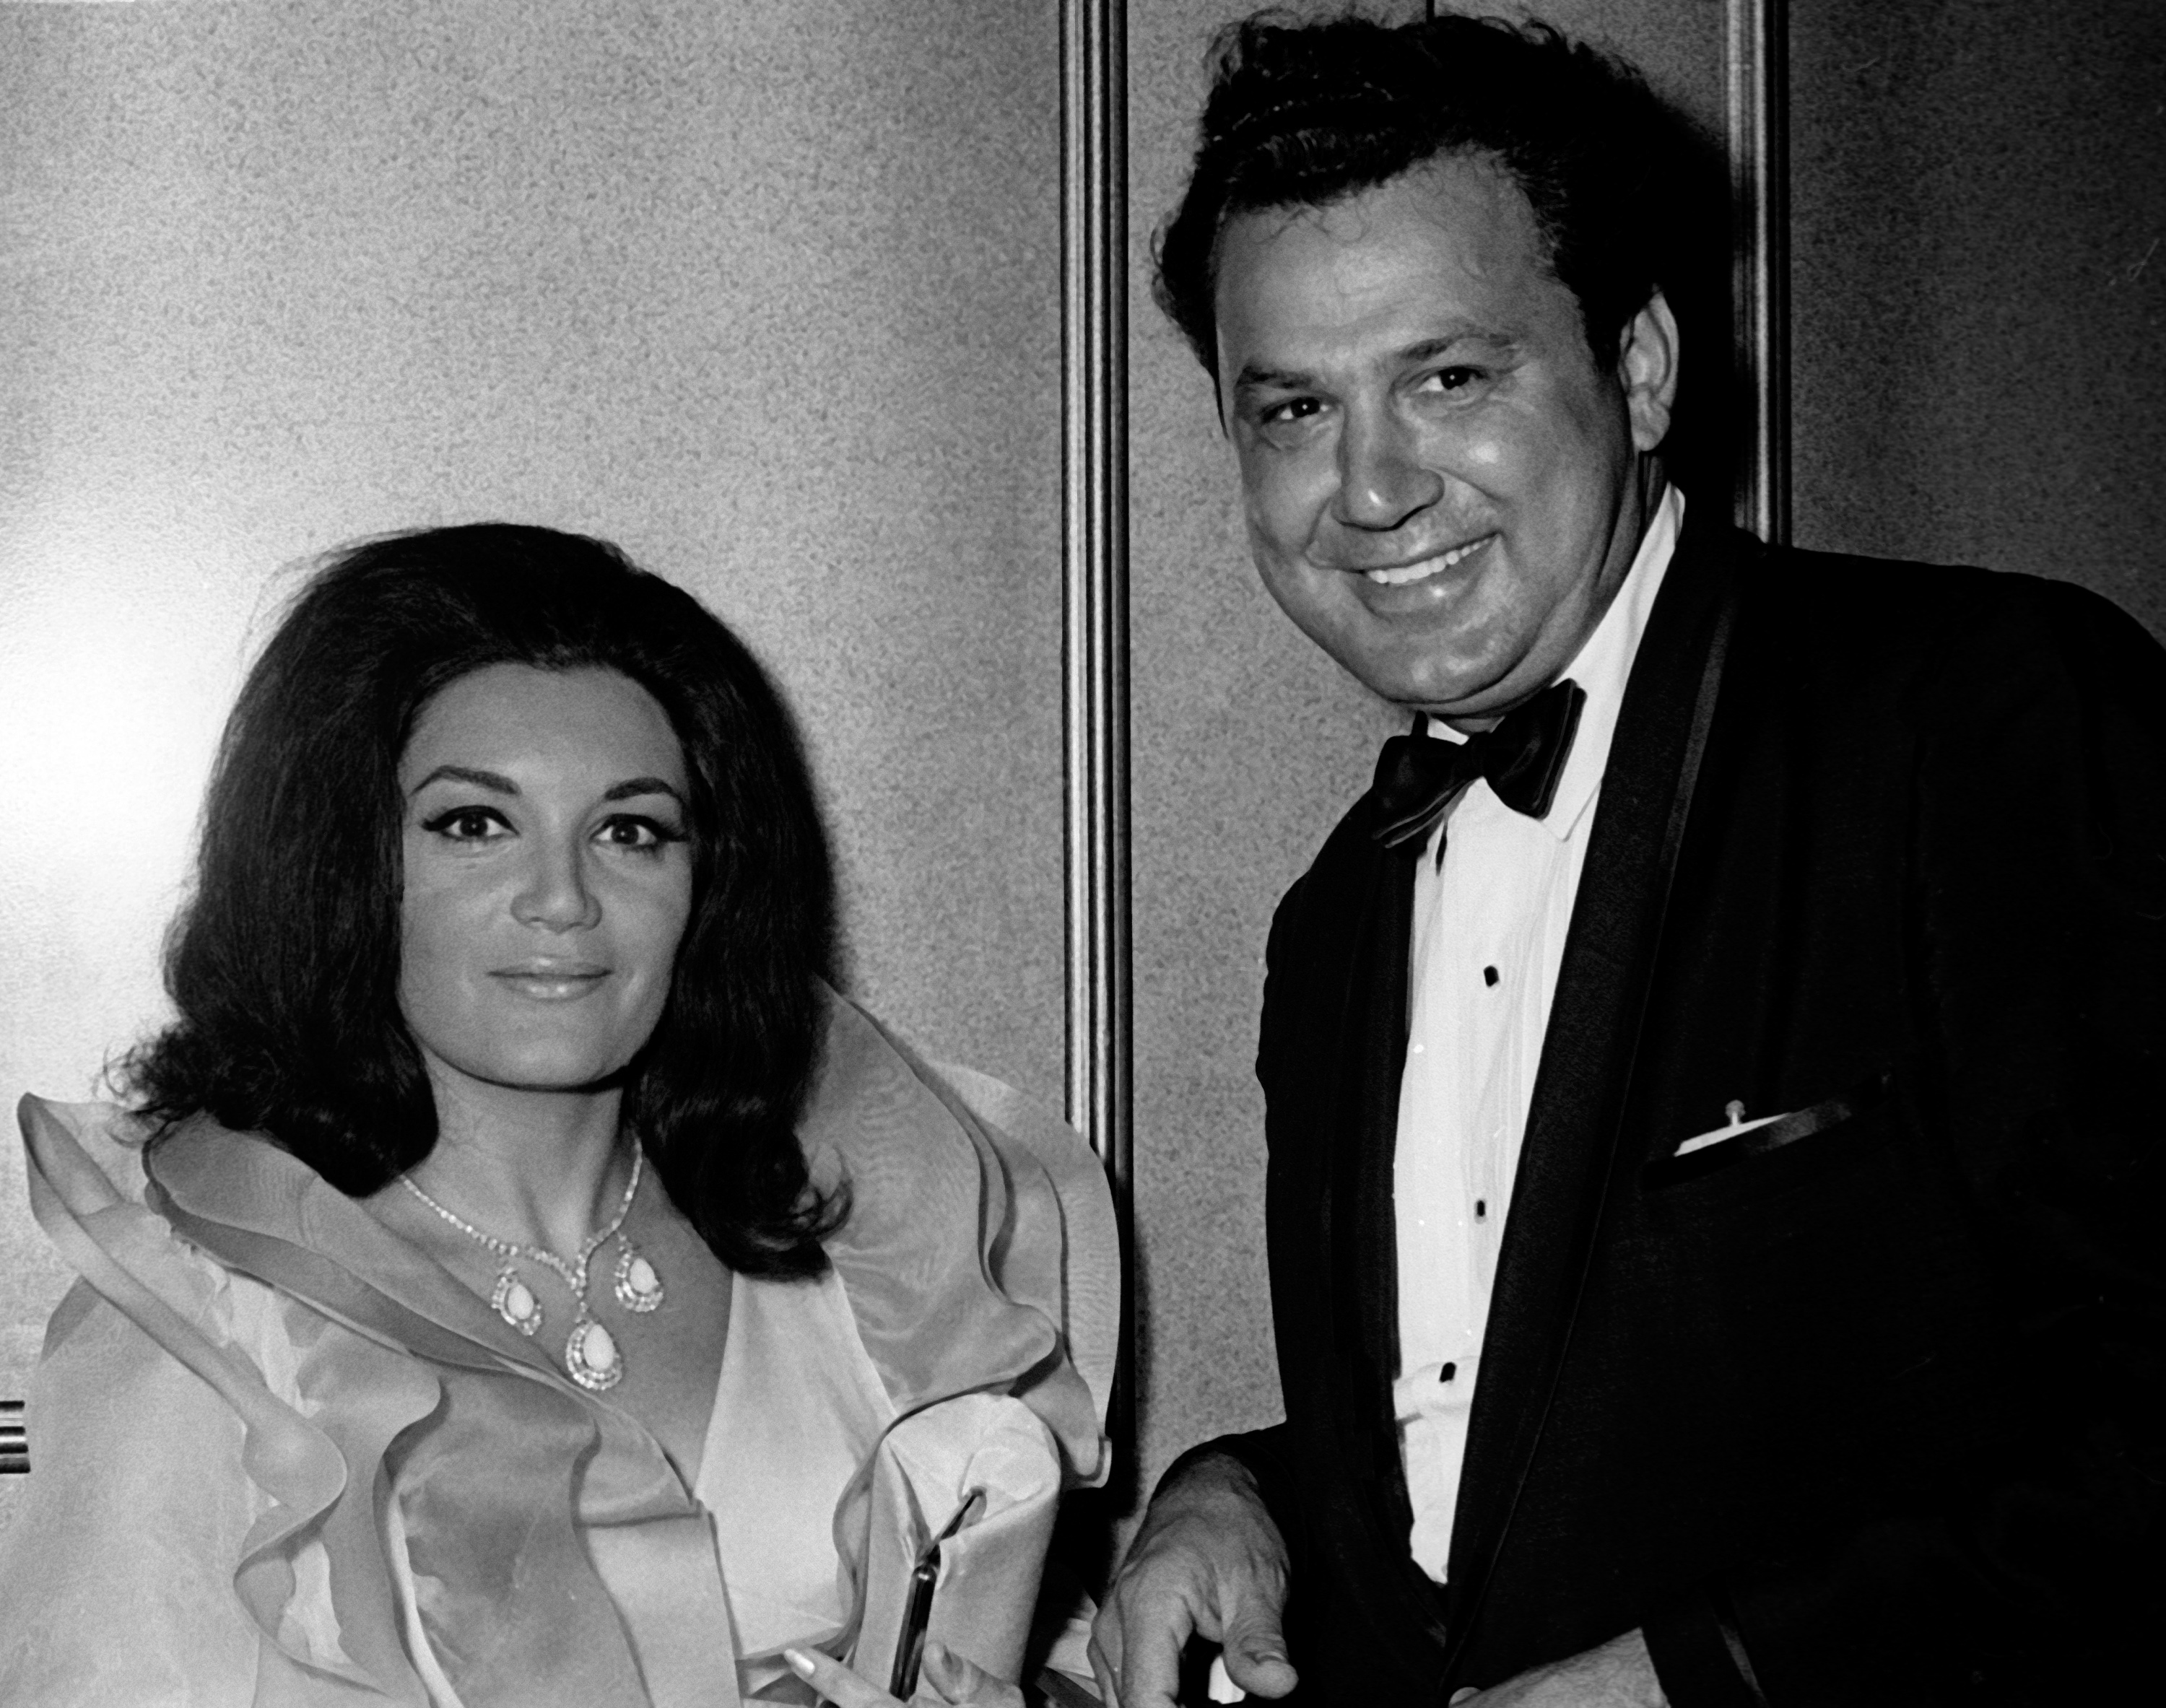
[1441, 253]
[1453, 188]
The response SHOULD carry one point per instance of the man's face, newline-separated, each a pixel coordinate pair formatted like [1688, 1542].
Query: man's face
[1439, 479]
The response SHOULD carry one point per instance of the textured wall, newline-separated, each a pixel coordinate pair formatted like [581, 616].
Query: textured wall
[1248, 744]
[769, 295]
[1979, 287]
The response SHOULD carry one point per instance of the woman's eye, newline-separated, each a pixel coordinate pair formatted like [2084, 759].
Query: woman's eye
[468, 825]
[638, 833]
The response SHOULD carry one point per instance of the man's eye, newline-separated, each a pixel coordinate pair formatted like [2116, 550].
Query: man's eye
[468, 825]
[1451, 379]
[1289, 409]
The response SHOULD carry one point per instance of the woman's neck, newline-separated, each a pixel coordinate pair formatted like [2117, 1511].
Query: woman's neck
[536, 1167]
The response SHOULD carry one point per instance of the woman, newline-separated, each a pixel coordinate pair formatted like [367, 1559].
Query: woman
[537, 1285]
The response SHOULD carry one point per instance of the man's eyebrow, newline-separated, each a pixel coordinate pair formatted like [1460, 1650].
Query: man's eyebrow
[642, 785]
[1270, 379]
[493, 781]
[1255, 378]
[1430, 347]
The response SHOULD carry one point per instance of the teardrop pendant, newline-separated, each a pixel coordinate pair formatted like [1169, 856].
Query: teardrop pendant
[591, 1358]
[515, 1303]
[638, 1285]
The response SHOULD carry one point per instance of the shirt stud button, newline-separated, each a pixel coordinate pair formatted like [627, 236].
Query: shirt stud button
[1480, 1209]
[1447, 1373]
[1488, 975]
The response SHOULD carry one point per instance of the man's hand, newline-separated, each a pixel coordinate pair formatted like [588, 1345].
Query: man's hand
[952, 1679]
[1207, 1561]
[1618, 1674]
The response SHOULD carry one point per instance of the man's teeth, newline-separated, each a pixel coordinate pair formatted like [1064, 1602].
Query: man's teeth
[1428, 566]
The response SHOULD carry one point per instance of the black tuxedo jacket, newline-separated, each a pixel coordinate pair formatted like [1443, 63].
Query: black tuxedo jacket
[1867, 1409]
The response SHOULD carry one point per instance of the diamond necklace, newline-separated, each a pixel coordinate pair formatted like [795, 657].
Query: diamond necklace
[592, 1357]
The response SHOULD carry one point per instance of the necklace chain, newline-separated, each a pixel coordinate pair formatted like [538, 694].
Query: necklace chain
[572, 1274]
[592, 1357]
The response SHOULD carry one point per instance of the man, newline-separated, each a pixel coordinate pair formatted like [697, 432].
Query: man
[1713, 1187]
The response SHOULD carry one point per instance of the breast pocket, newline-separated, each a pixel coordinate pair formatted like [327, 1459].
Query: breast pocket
[1819, 1125]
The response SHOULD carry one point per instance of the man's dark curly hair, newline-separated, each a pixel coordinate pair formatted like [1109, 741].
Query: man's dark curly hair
[284, 964]
[1302, 114]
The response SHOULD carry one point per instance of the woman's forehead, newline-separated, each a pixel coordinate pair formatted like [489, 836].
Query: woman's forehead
[518, 717]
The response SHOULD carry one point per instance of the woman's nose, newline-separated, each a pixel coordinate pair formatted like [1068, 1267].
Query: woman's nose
[1382, 482]
[554, 891]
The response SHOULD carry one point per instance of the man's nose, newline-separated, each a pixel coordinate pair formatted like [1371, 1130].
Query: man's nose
[555, 892]
[1382, 482]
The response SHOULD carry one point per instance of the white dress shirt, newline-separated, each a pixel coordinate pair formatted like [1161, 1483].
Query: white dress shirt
[1488, 933]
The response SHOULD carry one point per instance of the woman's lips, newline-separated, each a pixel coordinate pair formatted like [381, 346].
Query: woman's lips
[551, 983]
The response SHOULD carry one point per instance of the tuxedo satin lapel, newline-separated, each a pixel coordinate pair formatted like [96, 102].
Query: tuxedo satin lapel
[1334, 1201]
[1584, 1078]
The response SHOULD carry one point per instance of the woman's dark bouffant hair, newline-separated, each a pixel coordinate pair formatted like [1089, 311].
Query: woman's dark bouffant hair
[284, 964]
[1303, 114]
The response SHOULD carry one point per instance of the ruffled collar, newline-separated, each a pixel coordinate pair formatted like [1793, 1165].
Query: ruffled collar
[954, 1260]
[948, 1298]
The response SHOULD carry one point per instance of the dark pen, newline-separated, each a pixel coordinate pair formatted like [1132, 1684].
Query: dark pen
[917, 1608]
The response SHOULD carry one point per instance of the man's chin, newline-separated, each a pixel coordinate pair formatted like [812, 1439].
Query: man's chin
[1474, 690]
[1419, 686]
[1449, 668]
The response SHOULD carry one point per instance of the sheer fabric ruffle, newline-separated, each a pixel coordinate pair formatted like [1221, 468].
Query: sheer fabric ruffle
[282, 1456]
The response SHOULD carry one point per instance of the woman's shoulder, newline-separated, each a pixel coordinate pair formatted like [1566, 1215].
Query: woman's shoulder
[168, 1422]
[980, 1251]
[91, 1193]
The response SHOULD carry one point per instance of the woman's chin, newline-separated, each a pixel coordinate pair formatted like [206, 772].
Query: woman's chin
[543, 1074]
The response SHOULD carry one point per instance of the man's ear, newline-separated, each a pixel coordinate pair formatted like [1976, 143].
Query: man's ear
[1647, 370]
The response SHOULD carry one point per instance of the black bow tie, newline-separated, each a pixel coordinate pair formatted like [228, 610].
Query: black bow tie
[1417, 776]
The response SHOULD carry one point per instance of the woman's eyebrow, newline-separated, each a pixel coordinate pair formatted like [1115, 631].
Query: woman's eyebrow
[642, 785]
[493, 780]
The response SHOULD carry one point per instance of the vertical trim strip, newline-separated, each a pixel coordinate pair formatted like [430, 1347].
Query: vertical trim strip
[1755, 35]
[1095, 593]
[14, 1440]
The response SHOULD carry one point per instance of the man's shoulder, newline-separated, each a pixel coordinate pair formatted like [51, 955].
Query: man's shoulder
[1346, 861]
[1848, 631]
[1895, 607]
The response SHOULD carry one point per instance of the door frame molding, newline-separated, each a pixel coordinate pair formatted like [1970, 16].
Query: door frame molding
[1756, 59]
[1094, 503]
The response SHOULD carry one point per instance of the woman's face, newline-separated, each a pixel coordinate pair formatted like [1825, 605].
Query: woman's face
[547, 877]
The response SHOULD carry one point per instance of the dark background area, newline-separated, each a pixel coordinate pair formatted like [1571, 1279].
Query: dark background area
[1979, 286]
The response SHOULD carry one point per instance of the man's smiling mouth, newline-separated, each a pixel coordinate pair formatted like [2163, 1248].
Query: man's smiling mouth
[1427, 567]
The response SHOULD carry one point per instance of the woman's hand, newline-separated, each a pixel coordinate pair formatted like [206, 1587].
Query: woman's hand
[952, 1680]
